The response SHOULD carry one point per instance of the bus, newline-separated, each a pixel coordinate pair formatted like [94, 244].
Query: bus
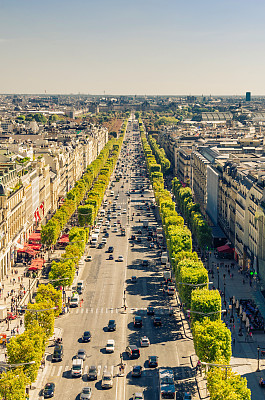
[166, 384]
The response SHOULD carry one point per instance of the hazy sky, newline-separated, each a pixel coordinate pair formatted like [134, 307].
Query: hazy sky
[132, 46]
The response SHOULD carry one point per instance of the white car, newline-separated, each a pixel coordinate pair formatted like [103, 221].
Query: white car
[120, 258]
[97, 230]
[104, 240]
[144, 341]
[110, 346]
[118, 214]
[114, 223]
[107, 223]
[124, 211]
[86, 393]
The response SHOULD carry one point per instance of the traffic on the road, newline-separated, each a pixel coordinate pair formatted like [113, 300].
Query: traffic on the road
[123, 338]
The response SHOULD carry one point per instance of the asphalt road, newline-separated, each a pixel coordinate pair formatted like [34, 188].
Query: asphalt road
[107, 286]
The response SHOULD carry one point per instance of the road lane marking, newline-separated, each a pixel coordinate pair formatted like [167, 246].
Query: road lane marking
[82, 310]
[96, 310]
[52, 371]
[102, 310]
[85, 369]
[86, 310]
[59, 370]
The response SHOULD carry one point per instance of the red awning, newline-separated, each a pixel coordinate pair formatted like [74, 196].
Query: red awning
[36, 264]
[28, 250]
[34, 246]
[64, 239]
[225, 249]
[35, 237]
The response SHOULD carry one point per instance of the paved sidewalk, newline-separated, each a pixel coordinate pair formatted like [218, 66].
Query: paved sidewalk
[233, 282]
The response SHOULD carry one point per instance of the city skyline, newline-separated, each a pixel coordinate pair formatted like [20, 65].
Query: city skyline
[152, 47]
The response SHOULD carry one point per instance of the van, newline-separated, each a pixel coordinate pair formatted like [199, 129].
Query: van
[110, 346]
[57, 353]
[77, 367]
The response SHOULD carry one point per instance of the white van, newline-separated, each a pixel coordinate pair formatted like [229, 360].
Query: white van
[77, 367]
[74, 300]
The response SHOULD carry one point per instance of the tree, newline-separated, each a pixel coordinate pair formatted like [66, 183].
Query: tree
[212, 341]
[53, 118]
[224, 385]
[40, 118]
[48, 292]
[13, 385]
[62, 273]
[50, 232]
[26, 347]
[45, 318]
[207, 302]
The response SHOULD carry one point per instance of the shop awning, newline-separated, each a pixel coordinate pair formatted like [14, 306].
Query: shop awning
[28, 250]
[225, 249]
[35, 237]
[34, 246]
[64, 239]
[36, 264]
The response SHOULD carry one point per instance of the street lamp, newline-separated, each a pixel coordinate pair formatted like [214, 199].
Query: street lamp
[218, 278]
[224, 290]
[258, 349]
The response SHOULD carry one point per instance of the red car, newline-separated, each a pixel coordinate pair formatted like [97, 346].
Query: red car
[10, 315]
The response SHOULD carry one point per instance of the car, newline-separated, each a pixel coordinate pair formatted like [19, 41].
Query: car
[104, 241]
[110, 346]
[118, 214]
[137, 321]
[124, 211]
[110, 249]
[88, 258]
[187, 396]
[48, 390]
[137, 371]
[111, 257]
[86, 336]
[101, 245]
[145, 263]
[112, 325]
[132, 237]
[92, 373]
[138, 396]
[81, 354]
[86, 393]
[152, 361]
[152, 246]
[106, 235]
[144, 341]
[149, 238]
[133, 351]
[107, 380]
[133, 279]
[157, 321]
[120, 258]
[115, 230]
[150, 310]
[114, 224]
[139, 232]
[57, 353]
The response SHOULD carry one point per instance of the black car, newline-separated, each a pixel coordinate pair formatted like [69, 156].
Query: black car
[101, 245]
[86, 336]
[152, 361]
[92, 373]
[139, 240]
[149, 238]
[48, 391]
[145, 263]
[110, 249]
[111, 325]
[137, 371]
[133, 351]
[111, 257]
[139, 232]
[138, 322]
[150, 310]
[157, 321]
[57, 353]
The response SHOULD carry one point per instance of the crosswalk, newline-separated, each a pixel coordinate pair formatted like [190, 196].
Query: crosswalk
[117, 310]
[60, 370]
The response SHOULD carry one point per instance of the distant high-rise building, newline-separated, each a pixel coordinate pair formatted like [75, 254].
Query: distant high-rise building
[248, 96]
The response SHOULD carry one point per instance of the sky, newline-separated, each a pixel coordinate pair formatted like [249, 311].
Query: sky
[139, 47]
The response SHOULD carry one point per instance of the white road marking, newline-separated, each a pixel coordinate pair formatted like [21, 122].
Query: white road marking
[52, 371]
[82, 310]
[86, 310]
[60, 370]
[96, 310]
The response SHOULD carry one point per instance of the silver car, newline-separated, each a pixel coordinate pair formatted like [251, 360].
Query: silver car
[86, 393]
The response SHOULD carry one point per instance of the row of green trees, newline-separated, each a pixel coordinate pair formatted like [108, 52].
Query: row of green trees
[212, 339]
[192, 214]
[160, 154]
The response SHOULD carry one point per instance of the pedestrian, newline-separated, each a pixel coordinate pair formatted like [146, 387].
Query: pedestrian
[17, 329]
[234, 341]
[21, 322]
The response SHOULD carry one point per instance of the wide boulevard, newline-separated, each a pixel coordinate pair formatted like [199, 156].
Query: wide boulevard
[108, 286]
